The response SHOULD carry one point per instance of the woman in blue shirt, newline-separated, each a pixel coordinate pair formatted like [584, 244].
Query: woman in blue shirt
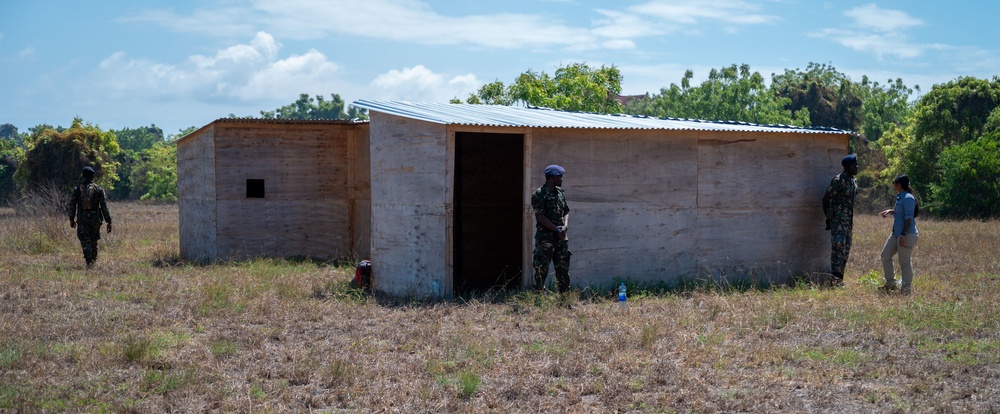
[903, 238]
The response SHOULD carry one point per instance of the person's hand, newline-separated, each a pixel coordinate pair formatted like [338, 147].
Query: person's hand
[109, 227]
[72, 224]
[561, 232]
[902, 241]
[885, 213]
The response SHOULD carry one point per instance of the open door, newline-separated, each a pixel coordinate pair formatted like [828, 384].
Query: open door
[489, 175]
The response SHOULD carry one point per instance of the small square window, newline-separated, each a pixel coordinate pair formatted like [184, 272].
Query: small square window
[255, 188]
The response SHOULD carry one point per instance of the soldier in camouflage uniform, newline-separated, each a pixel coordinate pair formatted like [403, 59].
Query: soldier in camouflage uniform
[548, 203]
[87, 210]
[838, 204]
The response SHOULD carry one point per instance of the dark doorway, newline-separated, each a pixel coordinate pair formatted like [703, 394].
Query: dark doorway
[489, 175]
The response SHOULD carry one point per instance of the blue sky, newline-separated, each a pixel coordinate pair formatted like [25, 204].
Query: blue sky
[182, 63]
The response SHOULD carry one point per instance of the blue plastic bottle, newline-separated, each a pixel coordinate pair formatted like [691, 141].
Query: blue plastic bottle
[621, 294]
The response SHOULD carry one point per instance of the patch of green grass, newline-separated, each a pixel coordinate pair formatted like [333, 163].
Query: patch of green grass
[942, 316]
[468, 384]
[966, 351]
[220, 295]
[8, 396]
[256, 392]
[10, 355]
[836, 356]
[545, 348]
[778, 318]
[222, 348]
[163, 381]
[872, 278]
[138, 348]
[711, 339]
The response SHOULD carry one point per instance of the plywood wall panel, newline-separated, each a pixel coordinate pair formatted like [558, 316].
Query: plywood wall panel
[411, 202]
[317, 228]
[630, 165]
[197, 230]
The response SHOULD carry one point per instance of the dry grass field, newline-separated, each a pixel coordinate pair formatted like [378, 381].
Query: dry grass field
[147, 332]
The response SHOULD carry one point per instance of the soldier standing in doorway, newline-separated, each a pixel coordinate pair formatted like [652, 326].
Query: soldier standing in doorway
[88, 208]
[548, 203]
[838, 204]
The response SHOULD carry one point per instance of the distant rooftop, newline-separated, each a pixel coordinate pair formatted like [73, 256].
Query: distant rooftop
[511, 116]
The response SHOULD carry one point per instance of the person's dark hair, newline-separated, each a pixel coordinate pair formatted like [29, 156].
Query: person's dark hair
[904, 181]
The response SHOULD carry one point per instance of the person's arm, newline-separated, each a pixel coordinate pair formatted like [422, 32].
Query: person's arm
[73, 202]
[545, 222]
[104, 211]
[826, 208]
[565, 226]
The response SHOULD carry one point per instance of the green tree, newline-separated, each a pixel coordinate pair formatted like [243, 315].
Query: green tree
[11, 156]
[883, 106]
[8, 132]
[829, 96]
[54, 159]
[575, 87]
[970, 179]
[132, 142]
[139, 139]
[953, 113]
[733, 93]
[155, 175]
[307, 107]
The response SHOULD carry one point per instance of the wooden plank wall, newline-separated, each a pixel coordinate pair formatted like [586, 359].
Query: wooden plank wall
[196, 195]
[410, 205]
[305, 210]
[670, 205]
[360, 193]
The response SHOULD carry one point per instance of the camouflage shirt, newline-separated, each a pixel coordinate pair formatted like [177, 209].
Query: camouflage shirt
[551, 204]
[843, 188]
[88, 204]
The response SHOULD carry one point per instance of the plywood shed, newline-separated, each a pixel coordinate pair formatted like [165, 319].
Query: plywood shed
[652, 200]
[274, 188]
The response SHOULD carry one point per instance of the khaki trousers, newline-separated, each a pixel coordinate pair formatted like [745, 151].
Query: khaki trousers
[892, 248]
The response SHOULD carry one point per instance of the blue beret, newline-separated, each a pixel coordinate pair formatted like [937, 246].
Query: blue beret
[554, 170]
[848, 160]
[88, 170]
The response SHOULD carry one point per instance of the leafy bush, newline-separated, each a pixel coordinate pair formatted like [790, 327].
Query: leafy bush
[970, 179]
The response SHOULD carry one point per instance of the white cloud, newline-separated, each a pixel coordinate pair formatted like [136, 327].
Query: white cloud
[689, 12]
[419, 83]
[880, 32]
[27, 53]
[416, 22]
[243, 72]
[872, 17]
[880, 45]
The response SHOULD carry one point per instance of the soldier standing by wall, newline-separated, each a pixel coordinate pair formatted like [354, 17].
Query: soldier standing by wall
[838, 204]
[88, 208]
[548, 203]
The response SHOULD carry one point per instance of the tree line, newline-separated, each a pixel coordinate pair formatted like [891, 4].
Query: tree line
[946, 140]
[130, 163]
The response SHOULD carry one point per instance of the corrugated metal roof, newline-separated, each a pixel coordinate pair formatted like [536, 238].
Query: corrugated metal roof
[499, 115]
[286, 121]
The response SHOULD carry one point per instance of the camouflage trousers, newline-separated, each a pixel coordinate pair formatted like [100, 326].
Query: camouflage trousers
[555, 250]
[841, 237]
[89, 233]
